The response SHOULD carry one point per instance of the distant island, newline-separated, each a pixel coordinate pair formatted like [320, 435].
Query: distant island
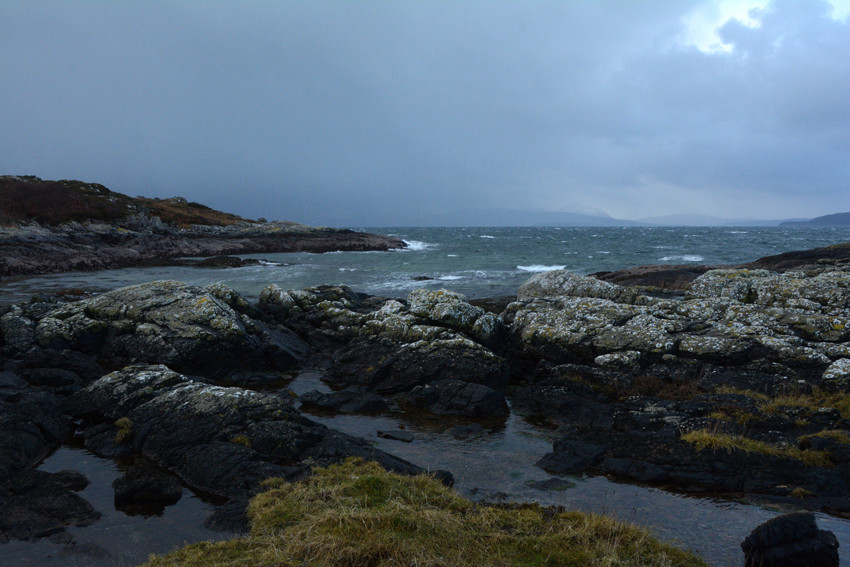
[837, 219]
[57, 226]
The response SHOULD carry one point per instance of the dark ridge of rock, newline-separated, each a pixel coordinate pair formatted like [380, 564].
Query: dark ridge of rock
[223, 441]
[453, 397]
[350, 400]
[678, 277]
[675, 277]
[403, 436]
[790, 540]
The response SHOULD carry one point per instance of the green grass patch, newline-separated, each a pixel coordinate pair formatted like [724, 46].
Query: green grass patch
[355, 514]
[704, 439]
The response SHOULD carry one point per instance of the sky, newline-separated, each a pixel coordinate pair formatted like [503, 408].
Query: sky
[401, 112]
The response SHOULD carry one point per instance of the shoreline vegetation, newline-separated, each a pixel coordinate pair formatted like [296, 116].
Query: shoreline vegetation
[737, 383]
[357, 514]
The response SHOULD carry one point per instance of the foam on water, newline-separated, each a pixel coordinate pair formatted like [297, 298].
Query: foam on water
[683, 258]
[539, 268]
[416, 245]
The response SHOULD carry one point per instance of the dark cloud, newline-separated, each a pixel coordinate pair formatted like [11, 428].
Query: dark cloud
[389, 112]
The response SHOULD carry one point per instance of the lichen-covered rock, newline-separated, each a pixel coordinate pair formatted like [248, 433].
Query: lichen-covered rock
[825, 291]
[220, 440]
[836, 378]
[206, 331]
[563, 283]
[728, 317]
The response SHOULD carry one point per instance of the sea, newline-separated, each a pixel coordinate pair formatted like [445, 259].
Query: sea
[478, 262]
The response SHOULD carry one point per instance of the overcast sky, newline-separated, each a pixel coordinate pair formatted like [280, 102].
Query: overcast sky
[390, 112]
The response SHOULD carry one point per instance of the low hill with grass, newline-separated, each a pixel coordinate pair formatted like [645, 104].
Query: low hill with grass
[28, 198]
[68, 225]
[357, 514]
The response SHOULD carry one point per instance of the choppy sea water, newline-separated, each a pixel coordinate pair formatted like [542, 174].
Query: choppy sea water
[478, 262]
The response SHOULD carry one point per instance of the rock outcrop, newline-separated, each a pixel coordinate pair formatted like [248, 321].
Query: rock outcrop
[739, 385]
[429, 351]
[60, 226]
[221, 440]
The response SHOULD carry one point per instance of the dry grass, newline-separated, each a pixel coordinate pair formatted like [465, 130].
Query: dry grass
[56, 202]
[704, 439]
[356, 514]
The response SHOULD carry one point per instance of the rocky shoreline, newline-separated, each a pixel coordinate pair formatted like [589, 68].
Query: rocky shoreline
[738, 386]
[35, 249]
[62, 226]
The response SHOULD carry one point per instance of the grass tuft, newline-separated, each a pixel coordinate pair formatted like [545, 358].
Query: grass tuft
[704, 439]
[356, 514]
[124, 429]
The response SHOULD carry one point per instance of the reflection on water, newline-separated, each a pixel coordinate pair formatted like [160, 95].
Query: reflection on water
[502, 461]
[116, 539]
[495, 464]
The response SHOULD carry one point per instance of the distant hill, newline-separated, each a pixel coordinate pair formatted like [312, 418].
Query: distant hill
[705, 220]
[837, 219]
[27, 197]
[495, 216]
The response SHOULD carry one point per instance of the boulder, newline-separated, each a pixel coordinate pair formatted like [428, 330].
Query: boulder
[790, 540]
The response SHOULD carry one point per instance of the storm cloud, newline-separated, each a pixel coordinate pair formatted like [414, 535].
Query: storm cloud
[389, 113]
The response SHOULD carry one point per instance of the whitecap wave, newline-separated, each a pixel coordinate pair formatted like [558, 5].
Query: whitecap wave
[416, 245]
[486, 236]
[683, 258]
[449, 278]
[539, 268]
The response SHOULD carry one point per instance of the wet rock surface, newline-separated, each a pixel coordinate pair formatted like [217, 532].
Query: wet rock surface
[224, 441]
[791, 540]
[737, 386]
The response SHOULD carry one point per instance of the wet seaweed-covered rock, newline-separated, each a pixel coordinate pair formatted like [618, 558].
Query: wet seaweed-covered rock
[207, 331]
[224, 441]
[790, 540]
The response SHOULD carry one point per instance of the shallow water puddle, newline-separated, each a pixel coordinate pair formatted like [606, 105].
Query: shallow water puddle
[499, 465]
[116, 539]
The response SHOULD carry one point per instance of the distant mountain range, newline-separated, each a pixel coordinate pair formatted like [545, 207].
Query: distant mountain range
[515, 217]
[493, 216]
[838, 219]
